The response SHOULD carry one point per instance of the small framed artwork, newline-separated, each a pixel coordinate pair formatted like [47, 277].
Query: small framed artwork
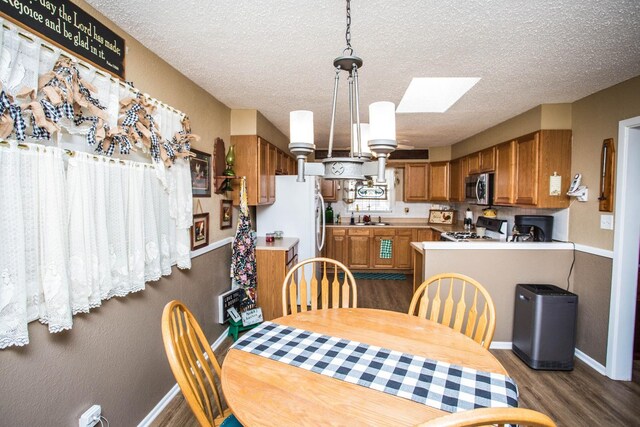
[201, 174]
[226, 214]
[441, 217]
[200, 231]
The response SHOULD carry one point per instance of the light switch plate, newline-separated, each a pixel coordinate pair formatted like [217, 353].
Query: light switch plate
[606, 222]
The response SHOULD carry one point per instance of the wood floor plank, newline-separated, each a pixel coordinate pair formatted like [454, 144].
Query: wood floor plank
[581, 397]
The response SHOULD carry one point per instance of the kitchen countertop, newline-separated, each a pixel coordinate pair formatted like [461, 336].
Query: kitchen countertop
[283, 244]
[403, 223]
[528, 246]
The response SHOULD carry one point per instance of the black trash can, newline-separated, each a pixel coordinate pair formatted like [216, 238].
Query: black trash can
[544, 326]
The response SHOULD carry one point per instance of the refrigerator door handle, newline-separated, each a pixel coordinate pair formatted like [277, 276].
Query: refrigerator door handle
[321, 230]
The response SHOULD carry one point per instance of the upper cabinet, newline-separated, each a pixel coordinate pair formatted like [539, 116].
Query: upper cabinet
[482, 161]
[256, 159]
[538, 156]
[473, 163]
[438, 181]
[505, 174]
[329, 189]
[416, 182]
[456, 181]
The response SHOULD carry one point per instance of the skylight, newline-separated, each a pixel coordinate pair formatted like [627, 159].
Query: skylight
[434, 94]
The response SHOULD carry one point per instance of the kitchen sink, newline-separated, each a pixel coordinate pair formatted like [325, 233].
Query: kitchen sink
[373, 223]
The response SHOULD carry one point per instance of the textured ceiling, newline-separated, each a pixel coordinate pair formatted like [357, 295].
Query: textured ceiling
[277, 56]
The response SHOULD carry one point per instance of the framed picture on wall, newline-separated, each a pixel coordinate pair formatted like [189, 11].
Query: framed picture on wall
[201, 174]
[226, 214]
[200, 231]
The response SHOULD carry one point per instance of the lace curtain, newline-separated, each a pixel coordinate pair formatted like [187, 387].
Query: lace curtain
[79, 228]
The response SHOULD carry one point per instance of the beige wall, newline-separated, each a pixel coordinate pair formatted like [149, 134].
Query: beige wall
[596, 118]
[252, 122]
[499, 271]
[547, 116]
[114, 356]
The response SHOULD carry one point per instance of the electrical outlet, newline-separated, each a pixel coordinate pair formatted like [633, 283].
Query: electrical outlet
[606, 222]
[91, 417]
[406, 210]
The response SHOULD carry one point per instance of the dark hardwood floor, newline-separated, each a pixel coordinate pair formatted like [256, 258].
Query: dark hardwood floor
[581, 397]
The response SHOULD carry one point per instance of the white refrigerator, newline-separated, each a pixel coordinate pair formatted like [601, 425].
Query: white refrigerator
[299, 212]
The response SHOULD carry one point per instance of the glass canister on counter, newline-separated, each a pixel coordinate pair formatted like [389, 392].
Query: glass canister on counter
[328, 215]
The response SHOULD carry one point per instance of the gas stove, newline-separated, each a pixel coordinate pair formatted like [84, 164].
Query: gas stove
[463, 236]
[495, 230]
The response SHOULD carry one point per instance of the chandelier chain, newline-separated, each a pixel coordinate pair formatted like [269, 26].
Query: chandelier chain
[347, 35]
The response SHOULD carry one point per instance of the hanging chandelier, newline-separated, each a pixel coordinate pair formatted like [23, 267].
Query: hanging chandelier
[381, 138]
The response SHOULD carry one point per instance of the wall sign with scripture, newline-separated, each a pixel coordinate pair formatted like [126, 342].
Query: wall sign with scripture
[69, 27]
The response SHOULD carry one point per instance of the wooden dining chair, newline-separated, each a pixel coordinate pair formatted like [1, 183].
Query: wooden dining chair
[194, 366]
[443, 298]
[328, 280]
[492, 416]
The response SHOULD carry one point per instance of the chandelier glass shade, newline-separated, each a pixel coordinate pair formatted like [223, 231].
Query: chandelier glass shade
[378, 138]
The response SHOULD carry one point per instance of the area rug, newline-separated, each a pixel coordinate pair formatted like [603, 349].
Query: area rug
[378, 276]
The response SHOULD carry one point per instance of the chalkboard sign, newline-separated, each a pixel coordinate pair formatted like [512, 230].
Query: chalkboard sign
[69, 27]
[227, 300]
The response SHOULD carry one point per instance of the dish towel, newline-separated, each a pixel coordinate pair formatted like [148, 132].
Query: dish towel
[243, 257]
[386, 249]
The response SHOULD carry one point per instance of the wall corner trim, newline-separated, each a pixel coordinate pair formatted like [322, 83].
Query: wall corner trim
[211, 247]
[501, 345]
[591, 362]
[151, 416]
[594, 251]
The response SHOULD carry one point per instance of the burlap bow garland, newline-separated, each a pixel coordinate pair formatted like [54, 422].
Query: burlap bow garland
[67, 95]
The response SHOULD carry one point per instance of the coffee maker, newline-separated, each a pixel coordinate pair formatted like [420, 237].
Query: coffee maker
[532, 228]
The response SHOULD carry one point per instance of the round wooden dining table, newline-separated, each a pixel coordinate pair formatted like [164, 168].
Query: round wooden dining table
[265, 392]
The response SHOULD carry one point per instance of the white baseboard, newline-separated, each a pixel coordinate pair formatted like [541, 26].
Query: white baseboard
[594, 364]
[151, 416]
[501, 345]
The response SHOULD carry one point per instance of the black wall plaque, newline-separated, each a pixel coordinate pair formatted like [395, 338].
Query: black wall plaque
[71, 28]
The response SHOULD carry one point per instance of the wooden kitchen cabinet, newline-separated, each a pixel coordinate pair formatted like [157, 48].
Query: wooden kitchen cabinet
[505, 173]
[416, 177]
[378, 236]
[257, 162]
[271, 266]
[487, 159]
[329, 189]
[456, 181]
[336, 244]
[526, 182]
[358, 248]
[438, 181]
[538, 156]
[402, 248]
[473, 163]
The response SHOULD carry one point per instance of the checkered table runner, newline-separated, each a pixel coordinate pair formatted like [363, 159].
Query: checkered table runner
[437, 384]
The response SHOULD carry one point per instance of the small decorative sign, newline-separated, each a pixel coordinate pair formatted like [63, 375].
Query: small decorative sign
[68, 26]
[441, 217]
[228, 300]
[251, 317]
[377, 192]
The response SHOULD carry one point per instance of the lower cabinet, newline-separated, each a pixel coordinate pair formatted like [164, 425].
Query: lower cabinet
[272, 265]
[361, 248]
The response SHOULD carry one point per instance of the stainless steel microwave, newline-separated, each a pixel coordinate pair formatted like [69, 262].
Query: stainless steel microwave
[479, 189]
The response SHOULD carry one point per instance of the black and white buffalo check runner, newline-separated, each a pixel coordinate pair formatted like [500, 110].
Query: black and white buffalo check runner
[437, 384]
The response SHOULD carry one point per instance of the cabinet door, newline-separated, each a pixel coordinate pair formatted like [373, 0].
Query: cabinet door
[281, 164]
[402, 249]
[378, 237]
[504, 182]
[456, 181]
[415, 182]
[423, 235]
[474, 163]
[337, 244]
[329, 190]
[487, 159]
[527, 170]
[358, 248]
[263, 172]
[438, 181]
[271, 187]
